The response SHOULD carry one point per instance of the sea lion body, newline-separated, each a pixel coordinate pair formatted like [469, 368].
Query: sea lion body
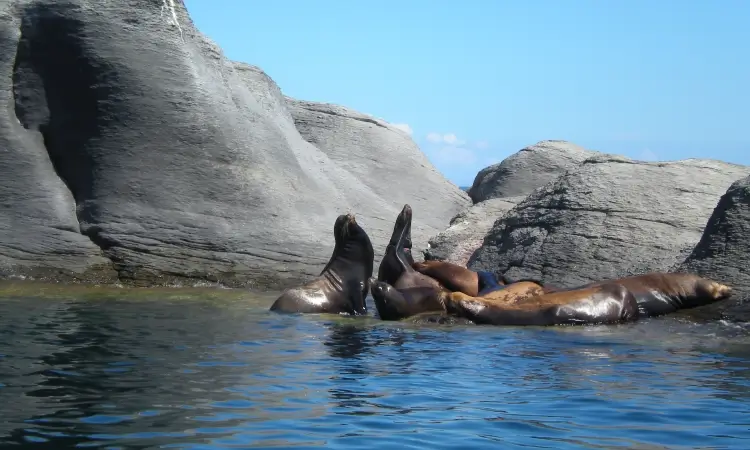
[391, 267]
[605, 304]
[343, 283]
[396, 304]
[514, 292]
[660, 293]
[456, 278]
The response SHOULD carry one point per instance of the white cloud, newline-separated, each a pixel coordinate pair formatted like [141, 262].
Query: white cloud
[435, 137]
[403, 127]
[648, 155]
[448, 138]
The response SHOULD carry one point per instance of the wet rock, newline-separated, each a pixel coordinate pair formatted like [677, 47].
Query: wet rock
[723, 252]
[528, 169]
[608, 218]
[134, 147]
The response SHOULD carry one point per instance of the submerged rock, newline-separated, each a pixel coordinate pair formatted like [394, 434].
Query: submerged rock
[608, 218]
[134, 148]
[723, 252]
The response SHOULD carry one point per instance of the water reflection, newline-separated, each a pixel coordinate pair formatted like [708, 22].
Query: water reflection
[184, 372]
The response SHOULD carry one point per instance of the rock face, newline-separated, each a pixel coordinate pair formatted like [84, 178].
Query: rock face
[608, 218]
[133, 149]
[528, 169]
[467, 230]
[498, 188]
[723, 252]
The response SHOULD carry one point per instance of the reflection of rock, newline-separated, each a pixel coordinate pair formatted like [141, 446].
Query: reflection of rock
[135, 148]
[608, 218]
[723, 253]
[527, 169]
[467, 230]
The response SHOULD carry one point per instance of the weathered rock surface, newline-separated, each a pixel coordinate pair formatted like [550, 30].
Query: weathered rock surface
[467, 230]
[608, 218]
[723, 252]
[528, 169]
[132, 146]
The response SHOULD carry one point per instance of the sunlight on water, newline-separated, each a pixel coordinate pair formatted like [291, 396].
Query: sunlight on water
[209, 368]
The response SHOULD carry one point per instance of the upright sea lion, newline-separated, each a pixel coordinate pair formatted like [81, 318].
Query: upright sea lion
[390, 267]
[659, 293]
[343, 283]
[608, 303]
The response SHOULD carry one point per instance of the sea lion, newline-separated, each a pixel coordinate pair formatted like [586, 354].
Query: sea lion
[659, 293]
[514, 292]
[605, 304]
[390, 267]
[456, 278]
[343, 283]
[396, 304]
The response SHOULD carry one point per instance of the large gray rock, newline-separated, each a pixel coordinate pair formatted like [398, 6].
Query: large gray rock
[377, 154]
[467, 230]
[608, 218]
[527, 169]
[723, 252]
[133, 147]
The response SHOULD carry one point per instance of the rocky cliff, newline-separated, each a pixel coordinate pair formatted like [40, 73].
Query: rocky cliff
[723, 252]
[607, 218]
[497, 188]
[134, 150]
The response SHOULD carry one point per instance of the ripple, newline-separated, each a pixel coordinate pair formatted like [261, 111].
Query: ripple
[197, 374]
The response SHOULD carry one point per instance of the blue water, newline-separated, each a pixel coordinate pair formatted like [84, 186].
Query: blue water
[213, 369]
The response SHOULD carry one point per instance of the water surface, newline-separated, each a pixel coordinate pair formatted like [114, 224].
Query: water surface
[214, 369]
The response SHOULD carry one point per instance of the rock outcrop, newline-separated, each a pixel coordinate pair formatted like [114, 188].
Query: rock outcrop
[527, 169]
[467, 230]
[498, 188]
[133, 149]
[608, 218]
[723, 252]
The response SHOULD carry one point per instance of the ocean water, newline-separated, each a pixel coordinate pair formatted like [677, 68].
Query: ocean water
[209, 368]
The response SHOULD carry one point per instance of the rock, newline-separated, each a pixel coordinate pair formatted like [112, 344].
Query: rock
[337, 130]
[723, 252]
[528, 169]
[467, 230]
[608, 218]
[138, 149]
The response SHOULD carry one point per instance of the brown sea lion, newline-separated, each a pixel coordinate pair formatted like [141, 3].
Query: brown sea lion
[390, 267]
[343, 283]
[605, 304]
[456, 278]
[515, 292]
[396, 304]
[659, 293]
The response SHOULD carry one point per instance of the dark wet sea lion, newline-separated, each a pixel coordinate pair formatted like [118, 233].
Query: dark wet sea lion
[396, 304]
[343, 283]
[660, 293]
[390, 267]
[605, 304]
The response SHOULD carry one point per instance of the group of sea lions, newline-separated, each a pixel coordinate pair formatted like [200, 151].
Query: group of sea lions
[439, 289]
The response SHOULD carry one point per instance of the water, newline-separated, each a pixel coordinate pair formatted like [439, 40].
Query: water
[213, 369]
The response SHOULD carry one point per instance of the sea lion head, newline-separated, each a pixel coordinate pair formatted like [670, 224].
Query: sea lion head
[397, 304]
[398, 258]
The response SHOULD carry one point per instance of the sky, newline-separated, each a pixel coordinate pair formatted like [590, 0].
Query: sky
[475, 81]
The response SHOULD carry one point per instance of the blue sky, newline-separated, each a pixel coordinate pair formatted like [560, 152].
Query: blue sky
[475, 81]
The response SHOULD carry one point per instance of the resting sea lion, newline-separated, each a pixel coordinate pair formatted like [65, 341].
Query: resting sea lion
[390, 267]
[660, 293]
[343, 283]
[397, 304]
[456, 278]
[608, 303]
